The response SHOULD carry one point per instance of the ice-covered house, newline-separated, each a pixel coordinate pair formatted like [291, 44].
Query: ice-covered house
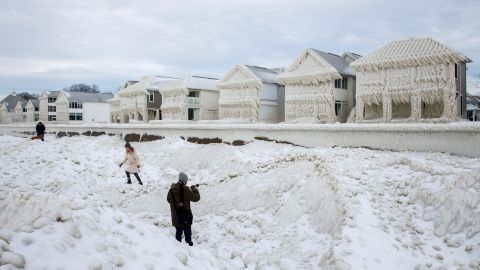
[33, 110]
[139, 101]
[319, 87]
[191, 98]
[252, 94]
[13, 109]
[80, 107]
[413, 80]
[47, 106]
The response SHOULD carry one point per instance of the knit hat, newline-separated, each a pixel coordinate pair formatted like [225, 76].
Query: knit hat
[183, 178]
[128, 145]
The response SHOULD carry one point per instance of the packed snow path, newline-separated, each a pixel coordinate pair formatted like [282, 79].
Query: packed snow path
[65, 204]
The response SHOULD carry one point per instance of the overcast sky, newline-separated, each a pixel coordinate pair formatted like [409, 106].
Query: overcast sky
[47, 45]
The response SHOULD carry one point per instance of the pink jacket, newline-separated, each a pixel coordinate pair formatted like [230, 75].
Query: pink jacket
[132, 160]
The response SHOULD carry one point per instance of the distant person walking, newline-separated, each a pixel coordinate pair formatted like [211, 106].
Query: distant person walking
[40, 129]
[179, 197]
[133, 162]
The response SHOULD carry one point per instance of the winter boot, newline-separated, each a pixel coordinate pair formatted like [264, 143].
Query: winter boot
[140, 182]
[129, 181]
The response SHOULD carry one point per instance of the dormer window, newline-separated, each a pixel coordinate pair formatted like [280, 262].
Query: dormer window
[52, 100]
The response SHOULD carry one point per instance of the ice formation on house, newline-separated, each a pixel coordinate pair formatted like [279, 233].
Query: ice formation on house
[252, 94]
[16, 109]
[80, 107]
[138, 101]
[319, 87]
[417, 79]
[191, 98]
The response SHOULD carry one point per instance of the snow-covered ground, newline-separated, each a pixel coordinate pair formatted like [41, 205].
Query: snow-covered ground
[65, 204]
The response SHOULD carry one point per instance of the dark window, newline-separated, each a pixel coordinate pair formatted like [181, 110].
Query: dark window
[151, 97]
[24, 109]
[52, 118]
[75, 117]
[456, 71]
[52, 108]
[194, 94]
[52, 100]
[75, 105]
[190, 114]
[36, 109]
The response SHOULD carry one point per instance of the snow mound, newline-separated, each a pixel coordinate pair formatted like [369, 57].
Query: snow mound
[263, 206]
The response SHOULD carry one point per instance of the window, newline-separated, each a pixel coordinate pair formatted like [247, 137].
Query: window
[340, 108]
[36, 117]
[52, 108]
[24, 109]
[151, 97]
[456, 71]
[75, 117]
[194, 94]
[341, 83]
[36, 109]
[75, 105]
[52, 118]
[52, 100]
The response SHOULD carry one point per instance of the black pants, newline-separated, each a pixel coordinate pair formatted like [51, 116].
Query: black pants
[188, 234]
[136, 176]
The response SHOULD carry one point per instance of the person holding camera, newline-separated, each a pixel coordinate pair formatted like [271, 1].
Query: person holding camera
[179, 197]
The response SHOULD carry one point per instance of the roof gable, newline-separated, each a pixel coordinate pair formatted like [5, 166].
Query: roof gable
[240, 76]
[313, 67]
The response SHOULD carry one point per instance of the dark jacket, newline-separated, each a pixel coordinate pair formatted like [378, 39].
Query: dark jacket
[190, 195]
[40, 128]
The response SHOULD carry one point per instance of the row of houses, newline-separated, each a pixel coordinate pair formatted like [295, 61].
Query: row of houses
[61, 107]
[413, 80]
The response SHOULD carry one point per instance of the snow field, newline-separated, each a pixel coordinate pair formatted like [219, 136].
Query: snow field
[64, 204]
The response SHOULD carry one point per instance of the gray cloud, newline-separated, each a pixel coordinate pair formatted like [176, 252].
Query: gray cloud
[52, 44]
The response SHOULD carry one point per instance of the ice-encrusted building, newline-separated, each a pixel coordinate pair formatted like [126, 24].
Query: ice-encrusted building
[413, 80]
[139, 101]
[319, 87]
[80, 107]
[251, 93]
[191, 98]
[48, 107]
[16, 109]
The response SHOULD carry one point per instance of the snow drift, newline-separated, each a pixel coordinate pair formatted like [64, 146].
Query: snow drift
[263, 206]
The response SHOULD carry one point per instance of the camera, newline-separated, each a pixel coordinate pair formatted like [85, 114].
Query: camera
[194, 186]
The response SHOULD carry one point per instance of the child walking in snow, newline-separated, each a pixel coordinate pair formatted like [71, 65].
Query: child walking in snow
[133, 162]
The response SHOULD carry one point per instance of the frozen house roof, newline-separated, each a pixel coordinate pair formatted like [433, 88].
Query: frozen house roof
[314, 66]
[82, 97]
[52, 94]
[11, 101]
[265, 74]
[409, 52]
[192, 82]
[337, 62]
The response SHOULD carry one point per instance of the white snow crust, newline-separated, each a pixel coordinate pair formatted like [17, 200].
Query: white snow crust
[65, 204]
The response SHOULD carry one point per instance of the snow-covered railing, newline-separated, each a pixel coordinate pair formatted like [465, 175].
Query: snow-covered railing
[455, 138]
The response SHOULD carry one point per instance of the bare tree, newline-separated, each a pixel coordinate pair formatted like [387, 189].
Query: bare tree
[82, 87]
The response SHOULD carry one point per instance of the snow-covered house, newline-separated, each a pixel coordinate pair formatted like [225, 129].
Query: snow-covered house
[251, 93]
[319, 87]
[33, 110]
[13, 109]
[139, 101]
[191, 98]
[47, 106]
[80, 107]
[417, 79]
